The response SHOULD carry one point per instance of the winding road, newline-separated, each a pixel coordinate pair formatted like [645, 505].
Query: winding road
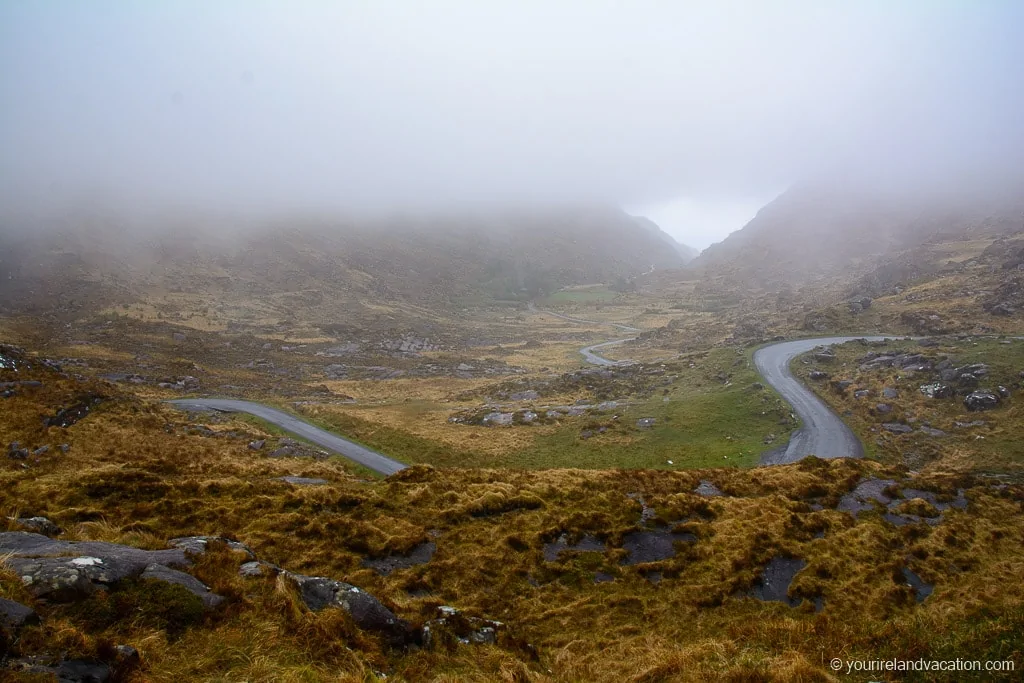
[821, 433]
[370, 459]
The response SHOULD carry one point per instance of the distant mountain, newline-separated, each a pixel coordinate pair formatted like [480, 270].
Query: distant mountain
[686, 253]
[813, 233]
[331, 269]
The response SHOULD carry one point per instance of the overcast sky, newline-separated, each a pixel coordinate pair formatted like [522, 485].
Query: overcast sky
[695, 113]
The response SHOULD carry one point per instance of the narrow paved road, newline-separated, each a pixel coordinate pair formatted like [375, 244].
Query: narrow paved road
[822, 433]
[361, 454]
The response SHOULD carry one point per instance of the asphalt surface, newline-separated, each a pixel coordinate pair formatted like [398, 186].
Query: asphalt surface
[361, 454]
[821, 433]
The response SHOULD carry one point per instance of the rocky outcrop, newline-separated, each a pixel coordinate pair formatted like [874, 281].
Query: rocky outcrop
[466, 630]
[318, 593]
[39, 525]
[193, 585]
[62, 570]
[982, 399]
[14, 615]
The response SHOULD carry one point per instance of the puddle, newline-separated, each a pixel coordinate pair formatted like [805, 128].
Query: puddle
[421, 554]
[773, 584]
[586, 544]
[652, 545]
[921, 589]
[860, 499]
[960, 502]
[601, 577]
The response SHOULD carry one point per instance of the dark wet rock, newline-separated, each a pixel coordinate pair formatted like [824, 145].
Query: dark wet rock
[72, 671]
[14, 615]
[39, 525]
[930, 431]
[921, 589]
[645, 422]
[464, 629]
[937, 390]
[883, 408]
[652, 545]
[773, 583]
[889, 393]
[303, 481]
[157, 572]
[707, 489]
[421, 554]
[602, 577]
[257, 445]
[197, 545]
[368, 613]
[257, 568]
[16, 452]
[588, 543]
[861, 497]
[818, 375]
[1003, 392]
[982, 399]
[42, 450]
[64, 570]
[841, 385]
[897, 428]
[69, 416]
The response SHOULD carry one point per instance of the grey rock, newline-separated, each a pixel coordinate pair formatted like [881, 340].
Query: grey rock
[707, 489]
[645, 422]
[972, 423]
[982, 399]
[42, 450]
[282, 452]
[1003, 392]
[468, 630]
[39, 525]
[63, 570]
[179, 336]
[889, 393]
[497, 419]
[257, 445]
[368, 613]
[190, 583]
[524, 396]
[257, 568]
[14, 615]
[863, 393]
[197, 545]
[897, 428]
[883, 408]
[528, 416]
[936, 390]
[818, 375]
[931, 431]
[842, 385]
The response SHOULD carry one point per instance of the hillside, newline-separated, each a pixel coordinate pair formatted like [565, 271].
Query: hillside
[332, 270]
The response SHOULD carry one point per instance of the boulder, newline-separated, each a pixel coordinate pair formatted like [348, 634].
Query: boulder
[645, 422]
[197, 545]
[982, 399]
[841, 385]
[39, 525]
[257, 445]
[466, 630]
[936, 390]
[889, 393]
[707, 489]
[883, 408]
[63, 570]
[496, 419]
[257, 568]
[158, 572]
[817, 375]
[897, 428]
[368, 613]
[14, 615]
[930, 431]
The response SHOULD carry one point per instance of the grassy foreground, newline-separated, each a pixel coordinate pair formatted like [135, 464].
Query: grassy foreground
[135, 473]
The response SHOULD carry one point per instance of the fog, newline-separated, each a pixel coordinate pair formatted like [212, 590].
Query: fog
[696, 111]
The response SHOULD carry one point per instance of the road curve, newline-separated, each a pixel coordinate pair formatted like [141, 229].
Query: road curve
[361, 454]
[821, 433]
